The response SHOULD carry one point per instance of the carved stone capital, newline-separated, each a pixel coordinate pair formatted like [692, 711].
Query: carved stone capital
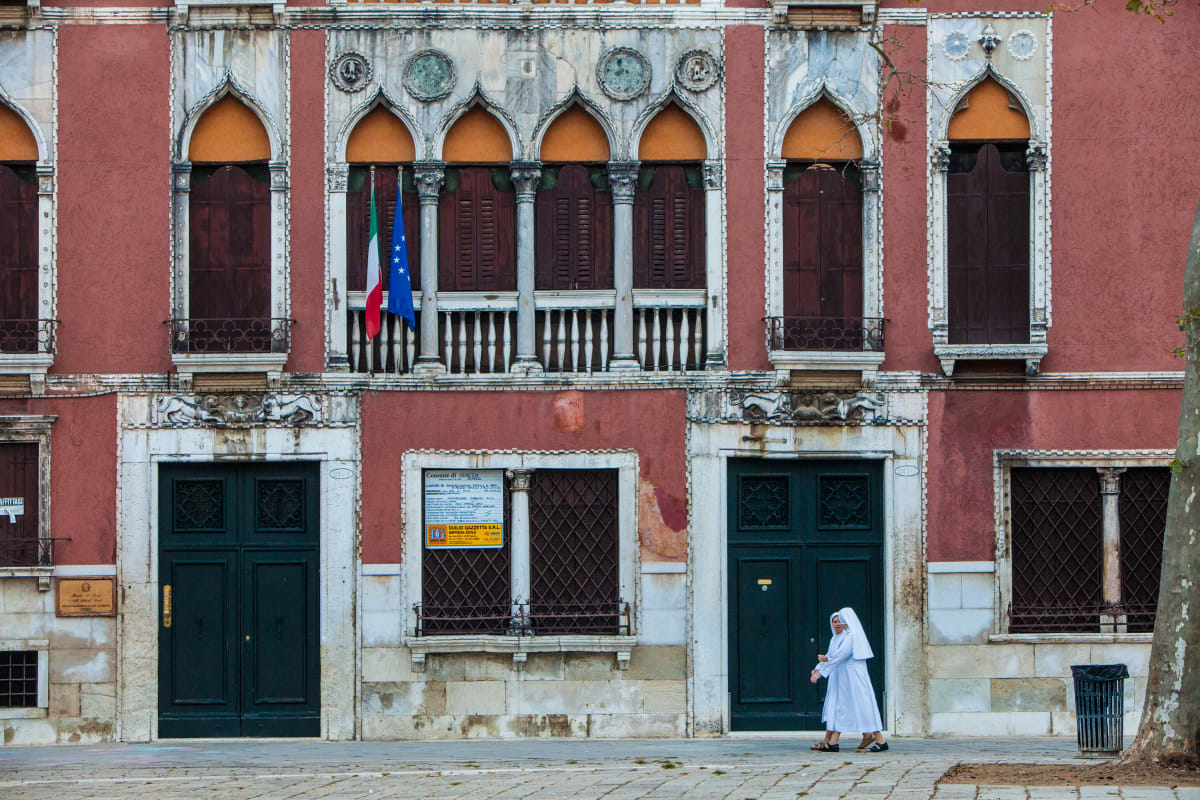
[714, 174]
[45, 176]
[520, 480]
[181, 178]
[1035, 156]
[429, 176]
[1110, 479]
[278, 172]
[337, 177]
[622, 177]
[525, 177]
[870, 175]
[775, 175]
[939, 156]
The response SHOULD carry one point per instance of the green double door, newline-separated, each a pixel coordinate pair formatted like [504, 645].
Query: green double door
[238, 614]
[805, 539]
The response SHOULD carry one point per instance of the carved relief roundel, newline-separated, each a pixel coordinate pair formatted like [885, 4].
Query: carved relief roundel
[623, 73]
[429, 75]
[956, 46]
[698, 70]
[1022, 45]
[350, 71]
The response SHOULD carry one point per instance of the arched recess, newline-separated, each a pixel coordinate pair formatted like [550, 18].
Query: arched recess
[669, 205]
[670, 101]
[991, 98]
[822, 131]
[831, 113]
[574, 210]
[379, 152]
[989, 112]
[228, 132]
[20, 272]
[220, 96]
[477, 206]
[575, 114]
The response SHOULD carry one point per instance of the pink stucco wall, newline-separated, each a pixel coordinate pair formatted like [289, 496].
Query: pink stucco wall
[965, 427]
[650, 422]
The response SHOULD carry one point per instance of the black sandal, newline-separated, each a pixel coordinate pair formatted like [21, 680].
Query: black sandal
[878, 748]
[823, 747]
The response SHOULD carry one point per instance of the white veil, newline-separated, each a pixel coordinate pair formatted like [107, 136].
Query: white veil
[862, 648]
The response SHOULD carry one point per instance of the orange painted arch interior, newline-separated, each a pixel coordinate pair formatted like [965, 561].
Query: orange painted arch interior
[477, 138]
[988, 113]
[672, 135]
[574, 136]
[822, 131]
[380, 138]
[16, 140]
[229, 132]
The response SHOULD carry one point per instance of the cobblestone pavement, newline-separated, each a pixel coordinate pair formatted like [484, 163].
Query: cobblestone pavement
[735, 768]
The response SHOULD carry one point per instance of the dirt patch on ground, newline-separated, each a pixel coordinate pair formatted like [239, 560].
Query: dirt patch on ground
[1105, 774]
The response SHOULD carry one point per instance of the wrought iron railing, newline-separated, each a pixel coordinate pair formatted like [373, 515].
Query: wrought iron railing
[605, 618]
[27, 551]
[1084, 618]
[826, 333]
[23, 336]
[231, 335]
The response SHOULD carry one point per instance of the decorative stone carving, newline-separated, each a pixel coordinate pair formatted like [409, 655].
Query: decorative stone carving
[1035, 156]
[714, 175]
[1110, 479]
[351, 71]
[622, 178]
[278, 172]
[623, 73]
[870, 175]
[698, 70]
[181, 177]
[429, 75]
[45, 176]
[939, 156]
[338, 177]
[956, 46]
[789, 407]
[525, 177]
[429, 175]
[520, 480]
[1022, 45]
[237, 409]
[989, 39]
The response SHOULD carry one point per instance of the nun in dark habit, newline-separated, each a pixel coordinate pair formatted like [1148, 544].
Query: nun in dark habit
[850, 699]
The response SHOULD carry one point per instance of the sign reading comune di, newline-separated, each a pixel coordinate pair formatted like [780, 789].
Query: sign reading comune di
[464, 508]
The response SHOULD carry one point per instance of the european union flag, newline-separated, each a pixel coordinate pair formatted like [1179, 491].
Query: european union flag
[400, 299]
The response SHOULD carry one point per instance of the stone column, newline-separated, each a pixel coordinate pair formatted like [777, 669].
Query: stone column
[714, 186]
[337, 357]
[520, 481]
[1110, 495]
[525, 176]
[429, 176]
[775, 278]
[872, 298]
[622, 176]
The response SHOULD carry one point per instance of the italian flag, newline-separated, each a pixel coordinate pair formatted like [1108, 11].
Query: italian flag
[374, 274]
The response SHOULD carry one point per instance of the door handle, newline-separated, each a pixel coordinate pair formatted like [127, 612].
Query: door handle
[166, 605]
[764, 630]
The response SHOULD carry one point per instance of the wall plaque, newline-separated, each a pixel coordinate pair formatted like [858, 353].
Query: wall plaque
[86, 597]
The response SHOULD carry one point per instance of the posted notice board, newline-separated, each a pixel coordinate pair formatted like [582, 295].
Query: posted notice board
[464, 508]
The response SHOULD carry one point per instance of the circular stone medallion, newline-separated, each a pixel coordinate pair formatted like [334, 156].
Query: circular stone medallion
[350, 71]
[429, 75]
[956, 46]
[697, 70]
[623, 73]
[1022, 45]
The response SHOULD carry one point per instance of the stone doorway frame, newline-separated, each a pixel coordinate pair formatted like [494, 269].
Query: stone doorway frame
[147, 438]
[901, 449]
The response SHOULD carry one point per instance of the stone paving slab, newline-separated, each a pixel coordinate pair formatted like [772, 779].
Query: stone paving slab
[752, 768]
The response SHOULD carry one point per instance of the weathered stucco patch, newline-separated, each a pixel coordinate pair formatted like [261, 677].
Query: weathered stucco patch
[658, 516]
[568, 412]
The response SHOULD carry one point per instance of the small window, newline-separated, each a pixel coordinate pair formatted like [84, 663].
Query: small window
[21, 541]
[1058, 533]
[18, 679]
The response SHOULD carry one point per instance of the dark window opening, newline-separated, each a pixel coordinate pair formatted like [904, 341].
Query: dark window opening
[19, 330]
[21, 544]
[1143, 507]
[18, 679]
[358, 222]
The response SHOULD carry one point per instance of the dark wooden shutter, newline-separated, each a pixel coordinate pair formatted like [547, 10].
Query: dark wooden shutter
[230, 256]
[822, 242]
[18, 243]
[668, 231]
[19, 478]
[574, 232]
[358, 222]
[476, 233]
[987, 204]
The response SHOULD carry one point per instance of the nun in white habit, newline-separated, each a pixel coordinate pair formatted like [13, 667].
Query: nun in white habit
[849, 699]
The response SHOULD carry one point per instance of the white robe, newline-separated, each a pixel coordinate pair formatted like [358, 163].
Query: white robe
[850, 705]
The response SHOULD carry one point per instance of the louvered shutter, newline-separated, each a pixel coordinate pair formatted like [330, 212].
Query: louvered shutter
[822, 243]
[477, 249]
[668, 231]
[987, 248]
[18, 244]
[19, 478]
[229, 262]
[574, 233]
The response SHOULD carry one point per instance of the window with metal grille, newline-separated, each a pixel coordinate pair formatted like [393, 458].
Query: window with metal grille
[20, 542]
[1058, 534]
[19, 679]
[574, 583]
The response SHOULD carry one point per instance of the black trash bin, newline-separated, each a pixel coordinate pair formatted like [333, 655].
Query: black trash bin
[1100, 707]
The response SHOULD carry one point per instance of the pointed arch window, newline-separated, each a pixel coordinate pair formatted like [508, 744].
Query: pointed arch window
[477, 208]
[573, 215]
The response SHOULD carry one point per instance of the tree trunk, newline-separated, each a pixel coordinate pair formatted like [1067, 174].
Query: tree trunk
[1170, 726]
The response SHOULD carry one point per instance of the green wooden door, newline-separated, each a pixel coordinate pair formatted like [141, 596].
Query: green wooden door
[238, 570]
[805, 539]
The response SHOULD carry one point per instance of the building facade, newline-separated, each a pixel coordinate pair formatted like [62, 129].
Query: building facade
[727, 315]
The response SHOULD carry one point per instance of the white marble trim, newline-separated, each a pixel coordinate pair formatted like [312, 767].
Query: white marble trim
[950, 567]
